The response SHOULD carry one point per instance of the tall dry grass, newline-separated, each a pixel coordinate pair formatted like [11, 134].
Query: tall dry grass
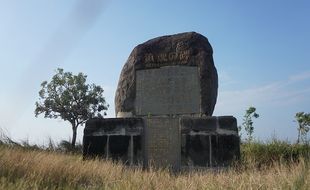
[37, 169]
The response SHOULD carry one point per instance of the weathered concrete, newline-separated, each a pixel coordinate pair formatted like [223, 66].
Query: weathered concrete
[162, 146]
[165, 91]
[118, 139]
[209, 141]
[222, 125]
[164, 141]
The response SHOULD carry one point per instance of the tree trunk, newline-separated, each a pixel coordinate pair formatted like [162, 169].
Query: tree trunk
[298, 139]
[74, 129]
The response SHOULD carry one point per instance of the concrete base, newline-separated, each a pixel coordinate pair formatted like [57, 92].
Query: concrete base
[164, 141]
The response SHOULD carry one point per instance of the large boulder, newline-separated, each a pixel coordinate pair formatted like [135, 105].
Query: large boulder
[184, 49]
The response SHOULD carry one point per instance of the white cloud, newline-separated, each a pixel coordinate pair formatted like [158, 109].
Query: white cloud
[300, 77]
[272, 94]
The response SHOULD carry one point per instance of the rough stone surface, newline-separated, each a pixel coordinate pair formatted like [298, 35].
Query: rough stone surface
[185, 49]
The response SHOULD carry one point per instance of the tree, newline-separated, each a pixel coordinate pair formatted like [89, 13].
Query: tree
[68, 97]
[247, 124]
[303, 120]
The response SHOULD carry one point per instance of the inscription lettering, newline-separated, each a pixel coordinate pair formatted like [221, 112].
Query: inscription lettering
[149, 58]
[163, 59]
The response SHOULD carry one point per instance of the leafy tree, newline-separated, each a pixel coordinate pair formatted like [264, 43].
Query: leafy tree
[247, 123]
[303, 120]
[68, 97]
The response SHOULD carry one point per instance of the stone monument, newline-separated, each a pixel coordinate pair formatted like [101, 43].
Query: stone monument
[164, 103]
[181, 62]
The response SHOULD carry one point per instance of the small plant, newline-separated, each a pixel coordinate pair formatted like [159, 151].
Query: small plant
[247, 124]
[303, 120]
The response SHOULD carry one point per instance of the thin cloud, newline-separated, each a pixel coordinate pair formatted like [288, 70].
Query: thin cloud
[281, 93]
[300, 77]
[53, 54]
[225, 78]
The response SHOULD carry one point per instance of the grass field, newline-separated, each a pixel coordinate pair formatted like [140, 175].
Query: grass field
[32, 168]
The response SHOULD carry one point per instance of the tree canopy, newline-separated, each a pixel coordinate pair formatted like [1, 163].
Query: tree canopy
[68, 97]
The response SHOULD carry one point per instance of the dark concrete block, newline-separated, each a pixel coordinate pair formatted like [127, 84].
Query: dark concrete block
[94, 146]
[203, 142]
[124, 126]
[196, 151]
[222, 125]
[204, 124]
[118, 147]
[210, 141]
[137, 150]
[226, 149]
[115, 138]
[228, 122]
[210, 150]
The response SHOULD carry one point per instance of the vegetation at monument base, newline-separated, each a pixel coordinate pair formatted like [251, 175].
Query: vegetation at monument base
[273, 165]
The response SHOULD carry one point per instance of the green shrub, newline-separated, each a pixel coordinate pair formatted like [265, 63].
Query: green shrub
[266, 154]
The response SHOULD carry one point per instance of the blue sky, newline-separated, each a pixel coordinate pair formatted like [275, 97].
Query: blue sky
[261, 51]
